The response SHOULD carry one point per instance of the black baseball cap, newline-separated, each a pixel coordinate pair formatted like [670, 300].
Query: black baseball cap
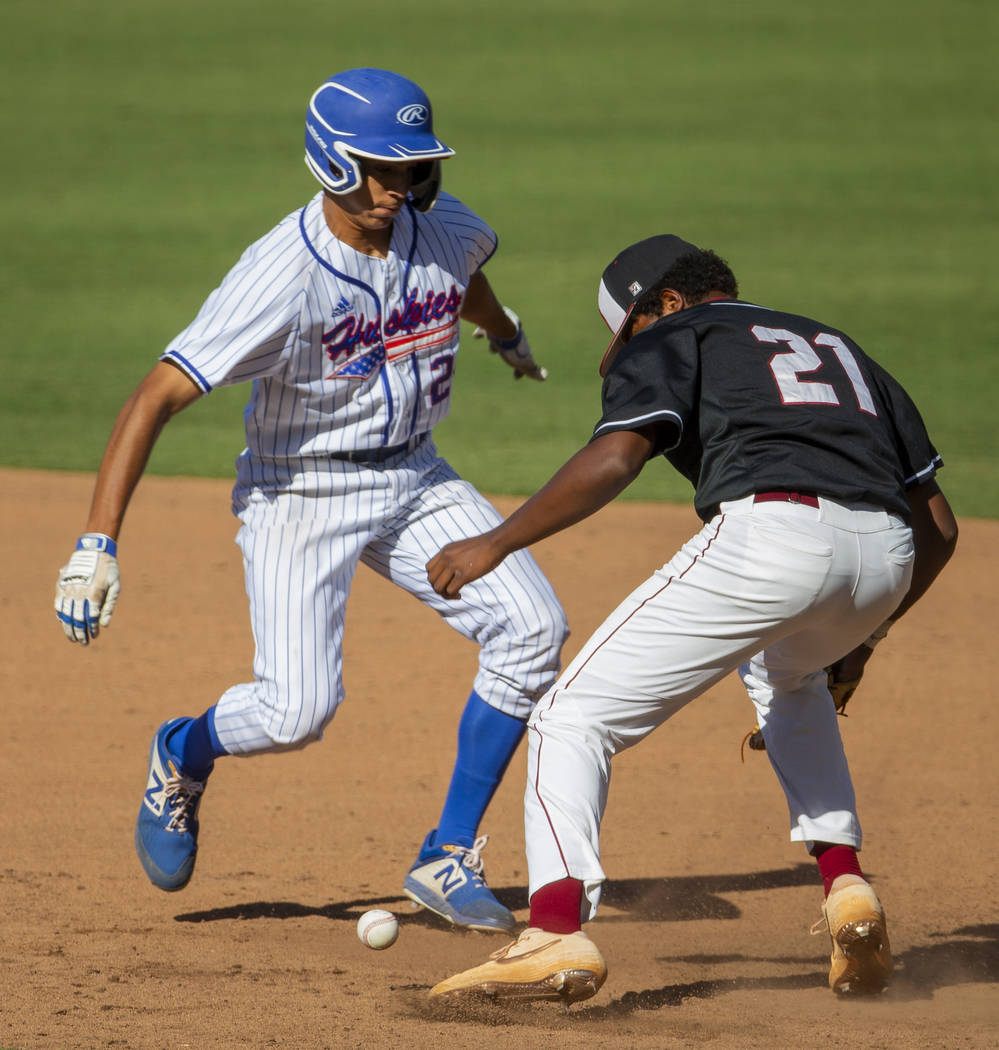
[627, 276]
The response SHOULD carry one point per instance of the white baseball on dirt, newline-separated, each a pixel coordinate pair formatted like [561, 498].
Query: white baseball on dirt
[378, 928]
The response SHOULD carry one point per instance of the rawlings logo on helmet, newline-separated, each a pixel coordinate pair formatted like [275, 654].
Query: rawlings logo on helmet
[413, 114]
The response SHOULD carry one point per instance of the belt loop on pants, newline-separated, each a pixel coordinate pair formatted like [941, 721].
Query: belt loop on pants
[809, 499]
[373, 456]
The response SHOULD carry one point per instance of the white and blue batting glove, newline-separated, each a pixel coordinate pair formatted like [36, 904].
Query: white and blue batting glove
[515, 351]
[88, 587]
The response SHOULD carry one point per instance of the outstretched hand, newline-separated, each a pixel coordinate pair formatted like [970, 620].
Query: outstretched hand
[462, 562]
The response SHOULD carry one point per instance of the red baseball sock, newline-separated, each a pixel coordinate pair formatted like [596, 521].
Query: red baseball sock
[556, 907]
[834, 861]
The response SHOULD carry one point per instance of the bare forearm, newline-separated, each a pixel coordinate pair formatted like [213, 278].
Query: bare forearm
[588, 481]
[581, 487]
[935, 532]
[124, 460]
[482, 308]
[162, 394]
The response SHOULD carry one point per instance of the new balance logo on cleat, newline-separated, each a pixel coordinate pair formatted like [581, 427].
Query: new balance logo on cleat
[451, 876]
[155, 796]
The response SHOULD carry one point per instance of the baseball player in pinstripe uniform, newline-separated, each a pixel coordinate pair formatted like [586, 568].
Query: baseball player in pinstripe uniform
[345, 319]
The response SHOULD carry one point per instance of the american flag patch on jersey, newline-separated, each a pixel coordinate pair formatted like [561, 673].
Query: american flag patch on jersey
[360, 367]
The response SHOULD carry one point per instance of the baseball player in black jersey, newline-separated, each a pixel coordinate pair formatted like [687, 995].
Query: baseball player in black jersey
[814, 476]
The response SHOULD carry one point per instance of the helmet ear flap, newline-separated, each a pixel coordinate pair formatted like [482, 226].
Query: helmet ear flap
[344, 169]
[422, 171]
[335, 168]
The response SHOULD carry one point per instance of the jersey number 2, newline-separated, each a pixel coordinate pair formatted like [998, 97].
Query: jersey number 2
[802, 358]
[443, 369]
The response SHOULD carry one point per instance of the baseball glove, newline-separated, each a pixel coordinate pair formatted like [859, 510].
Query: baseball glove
[841, 690]
[845, 674]
[755, 740]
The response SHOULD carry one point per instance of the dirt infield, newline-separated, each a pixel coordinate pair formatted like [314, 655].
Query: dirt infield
[708, 908]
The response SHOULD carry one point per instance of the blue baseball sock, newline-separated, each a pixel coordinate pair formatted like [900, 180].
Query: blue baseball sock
[196, 745]
[487, 739]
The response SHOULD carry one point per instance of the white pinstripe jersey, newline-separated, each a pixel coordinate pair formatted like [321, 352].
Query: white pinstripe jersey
[345, 351]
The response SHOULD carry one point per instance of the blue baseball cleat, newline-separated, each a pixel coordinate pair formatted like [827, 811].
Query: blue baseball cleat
[447, 880]
[166, 833]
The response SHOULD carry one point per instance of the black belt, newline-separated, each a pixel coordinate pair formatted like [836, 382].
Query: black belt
[373, 456]
[809, 499]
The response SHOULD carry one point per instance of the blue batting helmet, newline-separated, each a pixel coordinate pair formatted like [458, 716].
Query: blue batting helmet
[367, 113]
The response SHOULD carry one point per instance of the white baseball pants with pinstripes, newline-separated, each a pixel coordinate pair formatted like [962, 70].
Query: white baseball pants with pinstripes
[775, 590]
[302, 542]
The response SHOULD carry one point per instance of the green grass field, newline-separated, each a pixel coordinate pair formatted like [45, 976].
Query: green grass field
[842, 157]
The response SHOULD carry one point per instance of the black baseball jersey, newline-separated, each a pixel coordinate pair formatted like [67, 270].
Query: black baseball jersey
[750, 399]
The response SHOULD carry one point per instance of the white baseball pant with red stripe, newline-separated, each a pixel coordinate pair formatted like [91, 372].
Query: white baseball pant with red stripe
[777, 590]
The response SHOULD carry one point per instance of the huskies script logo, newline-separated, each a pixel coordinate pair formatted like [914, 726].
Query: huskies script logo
[356, 346]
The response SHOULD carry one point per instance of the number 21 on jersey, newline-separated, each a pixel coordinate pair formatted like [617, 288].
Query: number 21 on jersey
[801, 358]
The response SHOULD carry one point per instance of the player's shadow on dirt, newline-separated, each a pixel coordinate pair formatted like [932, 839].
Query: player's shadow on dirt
[973, 958]
[694, 897]
[632, 900]
[347, 911]
[341, 911]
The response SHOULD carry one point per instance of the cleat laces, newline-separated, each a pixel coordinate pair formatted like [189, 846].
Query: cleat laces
[819, 926]
[501, 953]
[182, 795]
[471, 856]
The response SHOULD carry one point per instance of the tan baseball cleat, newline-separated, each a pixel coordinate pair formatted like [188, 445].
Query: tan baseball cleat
[861, 961]
[537, 965]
